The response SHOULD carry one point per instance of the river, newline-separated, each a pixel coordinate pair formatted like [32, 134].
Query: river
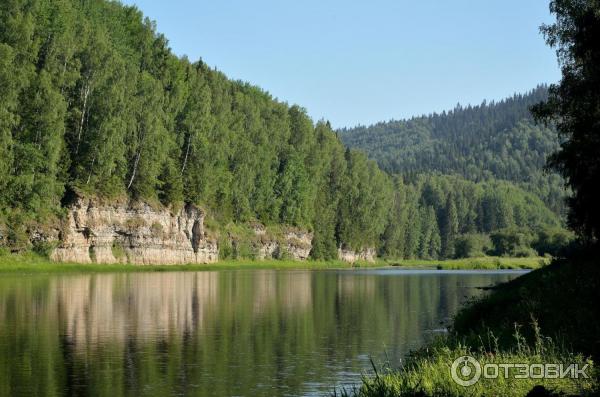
[225, 333]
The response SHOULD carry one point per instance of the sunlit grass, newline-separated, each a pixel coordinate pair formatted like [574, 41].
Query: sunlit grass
[483, 263]
[428, 373]
[545, 316]
[33, 263]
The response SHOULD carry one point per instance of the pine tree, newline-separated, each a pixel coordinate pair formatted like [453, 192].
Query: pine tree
[449, 229]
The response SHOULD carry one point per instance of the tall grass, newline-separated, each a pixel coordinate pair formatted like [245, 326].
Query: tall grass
[427, 372]
[558, 301]
[481, 263]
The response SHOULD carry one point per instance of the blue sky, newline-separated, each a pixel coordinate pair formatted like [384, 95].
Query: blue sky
[359, 62]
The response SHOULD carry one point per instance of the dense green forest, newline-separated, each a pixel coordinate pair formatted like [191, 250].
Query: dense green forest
[496, 140]
[93, 102]
[442, 216]
[479, 171]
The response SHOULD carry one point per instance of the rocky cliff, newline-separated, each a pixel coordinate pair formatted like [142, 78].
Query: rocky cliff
[134, 233]
[367, 255]
[293, 244]
[138, 233]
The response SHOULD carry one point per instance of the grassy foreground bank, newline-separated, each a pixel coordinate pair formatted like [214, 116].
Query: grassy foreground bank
[34, 263]
[482, 263]
[547, 316]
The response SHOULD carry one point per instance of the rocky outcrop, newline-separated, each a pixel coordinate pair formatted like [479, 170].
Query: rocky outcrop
[292, 244]
[134, 233]
[140, 234]
[366, 254]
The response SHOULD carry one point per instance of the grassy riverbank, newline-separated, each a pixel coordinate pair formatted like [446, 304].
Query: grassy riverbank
[546, 316]
[483, 263]
[34, 263]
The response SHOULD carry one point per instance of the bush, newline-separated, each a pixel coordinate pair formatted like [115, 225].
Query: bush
[512, 242]
[244, 250]
[553, 241]
[44, 248]
[157, 229]
[472, 245]
[135, 223]
[225, 248]
[118, 250]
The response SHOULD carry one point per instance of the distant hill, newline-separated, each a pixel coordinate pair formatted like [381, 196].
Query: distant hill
[495, 140]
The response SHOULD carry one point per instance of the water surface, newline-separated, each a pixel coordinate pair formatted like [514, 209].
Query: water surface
[229, 333]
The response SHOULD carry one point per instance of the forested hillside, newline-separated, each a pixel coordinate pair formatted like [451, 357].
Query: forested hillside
[497, 140]
[92, 100]
[444, 216]
[94, 103]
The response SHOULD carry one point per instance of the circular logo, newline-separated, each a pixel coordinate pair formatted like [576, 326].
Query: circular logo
[466, 371]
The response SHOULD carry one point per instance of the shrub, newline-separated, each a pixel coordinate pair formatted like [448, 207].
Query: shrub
[135, 223]
[472, 245]
[553, 241]
[243, 249]
[44, 248]
[157, 229]
[118, 250]
[225, 248]
[512, 242]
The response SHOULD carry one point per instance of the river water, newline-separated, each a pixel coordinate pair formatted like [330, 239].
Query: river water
[226, 333]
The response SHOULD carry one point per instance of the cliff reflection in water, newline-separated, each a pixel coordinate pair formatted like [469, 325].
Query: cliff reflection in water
[213, 333]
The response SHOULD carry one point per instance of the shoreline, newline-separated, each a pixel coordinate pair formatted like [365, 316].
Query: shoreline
[32, 263]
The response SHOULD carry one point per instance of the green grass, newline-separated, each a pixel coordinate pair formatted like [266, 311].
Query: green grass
[546, 316]
[31, 262]
[427, 373]
[483, 263]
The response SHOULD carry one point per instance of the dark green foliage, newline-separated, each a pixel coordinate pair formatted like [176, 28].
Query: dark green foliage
[491, 158]
[93, 101]
[480, 143]
[553, 241]
[512, 242]
[472, 245]
[441, 216]
[574, 107]
[449, 230]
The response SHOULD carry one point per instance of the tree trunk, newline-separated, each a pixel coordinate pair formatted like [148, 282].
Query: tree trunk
[85, 94]
[135, 166]
[187, 152]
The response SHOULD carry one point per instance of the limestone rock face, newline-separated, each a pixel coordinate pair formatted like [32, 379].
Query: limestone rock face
[140, 234]
[295, 244]
[366, 254]
[134, 233]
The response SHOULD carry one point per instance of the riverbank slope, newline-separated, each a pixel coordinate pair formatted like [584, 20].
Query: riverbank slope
[547, 316]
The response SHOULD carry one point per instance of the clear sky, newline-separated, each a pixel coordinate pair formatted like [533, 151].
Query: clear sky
[359, 62]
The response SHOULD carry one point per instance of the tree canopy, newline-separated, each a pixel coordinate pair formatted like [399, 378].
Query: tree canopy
[574, 107]
[93, 102]
[493, 140]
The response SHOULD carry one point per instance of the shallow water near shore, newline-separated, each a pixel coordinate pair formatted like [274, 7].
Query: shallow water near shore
[225, 333]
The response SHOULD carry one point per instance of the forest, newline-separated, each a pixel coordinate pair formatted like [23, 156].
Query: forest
[93, 102]
[479, 171]
[495, 140]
